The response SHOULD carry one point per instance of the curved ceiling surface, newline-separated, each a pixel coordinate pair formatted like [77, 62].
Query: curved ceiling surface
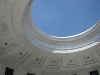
[65, 18]
[18, 53]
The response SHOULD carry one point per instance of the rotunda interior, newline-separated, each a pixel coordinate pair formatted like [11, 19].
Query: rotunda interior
[24, 50]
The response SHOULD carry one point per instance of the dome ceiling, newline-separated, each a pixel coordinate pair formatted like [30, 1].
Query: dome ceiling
[19, 48]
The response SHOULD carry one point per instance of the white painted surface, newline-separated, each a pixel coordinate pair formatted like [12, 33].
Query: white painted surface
[2, 69]
[20, 71]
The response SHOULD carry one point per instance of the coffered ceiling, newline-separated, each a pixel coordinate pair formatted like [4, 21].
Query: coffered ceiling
[17, 50]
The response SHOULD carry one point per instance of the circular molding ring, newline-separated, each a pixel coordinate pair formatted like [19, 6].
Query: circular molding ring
[53, 44]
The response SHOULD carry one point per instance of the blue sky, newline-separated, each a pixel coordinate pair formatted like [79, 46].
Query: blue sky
[65, 17]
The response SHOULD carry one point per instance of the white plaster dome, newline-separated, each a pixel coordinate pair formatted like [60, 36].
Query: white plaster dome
[25, 49]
